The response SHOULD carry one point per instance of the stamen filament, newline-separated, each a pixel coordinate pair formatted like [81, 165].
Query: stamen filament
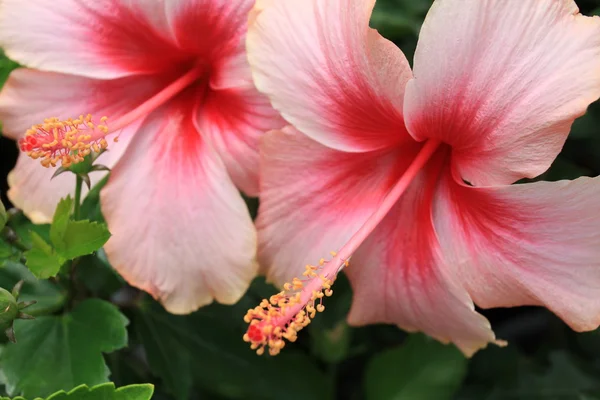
[68, 142]
[388, 202]
[292, 309]
[158, 99]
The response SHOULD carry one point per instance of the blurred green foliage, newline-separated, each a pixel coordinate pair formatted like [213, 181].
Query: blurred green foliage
[202, 355]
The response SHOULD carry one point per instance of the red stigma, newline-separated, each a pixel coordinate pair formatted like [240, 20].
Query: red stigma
[66, 142]
[255, 334]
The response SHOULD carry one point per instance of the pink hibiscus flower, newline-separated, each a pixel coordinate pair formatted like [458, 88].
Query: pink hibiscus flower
[173, 79]
[409, 172]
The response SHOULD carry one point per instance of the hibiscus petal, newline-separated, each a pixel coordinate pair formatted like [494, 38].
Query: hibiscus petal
[399, 276]
[30, 96]
[234, 120]
[502, 82]
[181, 230]
[314, 198]
[328, 73]
[234, 117]
[33, 190]
[529, 244]
[95, 38]
[223, 25]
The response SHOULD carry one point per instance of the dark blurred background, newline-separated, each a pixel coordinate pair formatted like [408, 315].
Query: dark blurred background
[545, 359]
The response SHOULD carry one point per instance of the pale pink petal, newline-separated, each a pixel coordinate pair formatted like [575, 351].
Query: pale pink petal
[314, 198]
[330, 75]
[234, 116]
[33, 190]
[181, 230]
[95, 38]
[30, 96]
[233, 121]
[259, 6]
[501, 82]
[232, 72]
[529, 244]
[399, 276]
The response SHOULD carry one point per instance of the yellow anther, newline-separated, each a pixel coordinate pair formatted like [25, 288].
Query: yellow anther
[286, 313]
[65, 142]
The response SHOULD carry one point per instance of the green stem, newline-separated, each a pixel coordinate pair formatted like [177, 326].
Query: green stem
[72, 283]
[73, 263]
[78, 186]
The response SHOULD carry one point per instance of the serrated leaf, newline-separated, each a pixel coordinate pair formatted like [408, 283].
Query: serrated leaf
[42, 260]
[3, 216]
[104, 391]
[60, 352]
[82, 238]
[48, 296]
[60, 221]
[420, 369]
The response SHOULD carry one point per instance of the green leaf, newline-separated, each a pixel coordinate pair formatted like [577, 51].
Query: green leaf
[3, 216]
[6, 251]
[23, 228]
[49, 297]
[98, 276]
[74, 239]
[564, 379]
[330, 334]
[104, 391]
[60, 221]
[82, 238]
[331, 345]
[90, 207]
[206, 348]
[420, 369]
[60, 352]
[396, 19]
[42, 260]
[6, 66]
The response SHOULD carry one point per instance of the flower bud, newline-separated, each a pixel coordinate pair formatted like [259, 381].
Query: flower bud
[10, 309]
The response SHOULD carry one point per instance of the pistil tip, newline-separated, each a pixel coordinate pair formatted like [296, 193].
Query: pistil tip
[66, 142]
[284, 314]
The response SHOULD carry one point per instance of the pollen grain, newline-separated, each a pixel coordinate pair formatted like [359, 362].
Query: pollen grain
[284, 314]
[66, 142]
